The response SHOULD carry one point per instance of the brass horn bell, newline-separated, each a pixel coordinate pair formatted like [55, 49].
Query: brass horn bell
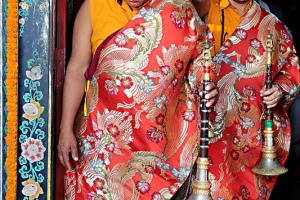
[269, 164]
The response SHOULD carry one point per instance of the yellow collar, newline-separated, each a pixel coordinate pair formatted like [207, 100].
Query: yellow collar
[127, 8]
[225, 3]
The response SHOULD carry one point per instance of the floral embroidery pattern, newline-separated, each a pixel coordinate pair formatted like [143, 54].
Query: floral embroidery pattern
[23, 13]
[244, 192]
[250, 58]
[142, 186]
[249, 92]
[255, 43]
[179, 65]
[111, 87]
[157, 196]
[33, 150]
[241, 34]
[181, 174]
[127, 82]
[32, 156]
[35, 73]
[189, 115]
[228, 44]
[264, 192]
[120, 40]
[283, 48]
[139, 29]
[32, 110]
[160, 101]
[154, 135]
[160, 119]
[245, 107]
[32, 189]
[110, 137]
[178, 19]
[173, 188]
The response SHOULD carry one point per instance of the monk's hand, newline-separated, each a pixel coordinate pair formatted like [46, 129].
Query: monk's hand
[212, 96]
[67, 148]
[272, 96]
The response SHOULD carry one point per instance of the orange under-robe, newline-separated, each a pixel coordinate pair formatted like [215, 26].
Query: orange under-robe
[229, 20]
[108, 16]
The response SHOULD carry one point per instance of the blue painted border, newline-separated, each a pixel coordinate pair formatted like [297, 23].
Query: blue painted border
[34, 91]
[4, 99]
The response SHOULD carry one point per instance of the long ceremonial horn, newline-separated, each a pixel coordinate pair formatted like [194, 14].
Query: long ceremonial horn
[201, 185]
[269, 164]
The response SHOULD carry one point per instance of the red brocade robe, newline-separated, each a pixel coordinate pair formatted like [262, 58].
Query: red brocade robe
[139, 137]
[237, 136]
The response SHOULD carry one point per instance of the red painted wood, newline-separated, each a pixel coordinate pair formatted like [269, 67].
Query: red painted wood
[60, 64]
[61, 48]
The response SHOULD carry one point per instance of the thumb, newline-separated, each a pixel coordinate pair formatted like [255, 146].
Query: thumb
[263, 90]
[74, 152]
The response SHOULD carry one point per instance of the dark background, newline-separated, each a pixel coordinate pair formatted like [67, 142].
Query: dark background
[288, 185]
[290, 12]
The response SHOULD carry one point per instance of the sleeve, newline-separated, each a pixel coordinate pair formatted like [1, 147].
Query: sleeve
[288, 77]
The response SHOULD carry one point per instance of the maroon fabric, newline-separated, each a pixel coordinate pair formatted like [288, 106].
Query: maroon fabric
[91, 69]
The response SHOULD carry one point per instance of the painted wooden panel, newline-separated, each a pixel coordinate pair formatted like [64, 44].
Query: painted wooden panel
[26, 99]
[35, 99]
[1, 105]
[29, 77]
